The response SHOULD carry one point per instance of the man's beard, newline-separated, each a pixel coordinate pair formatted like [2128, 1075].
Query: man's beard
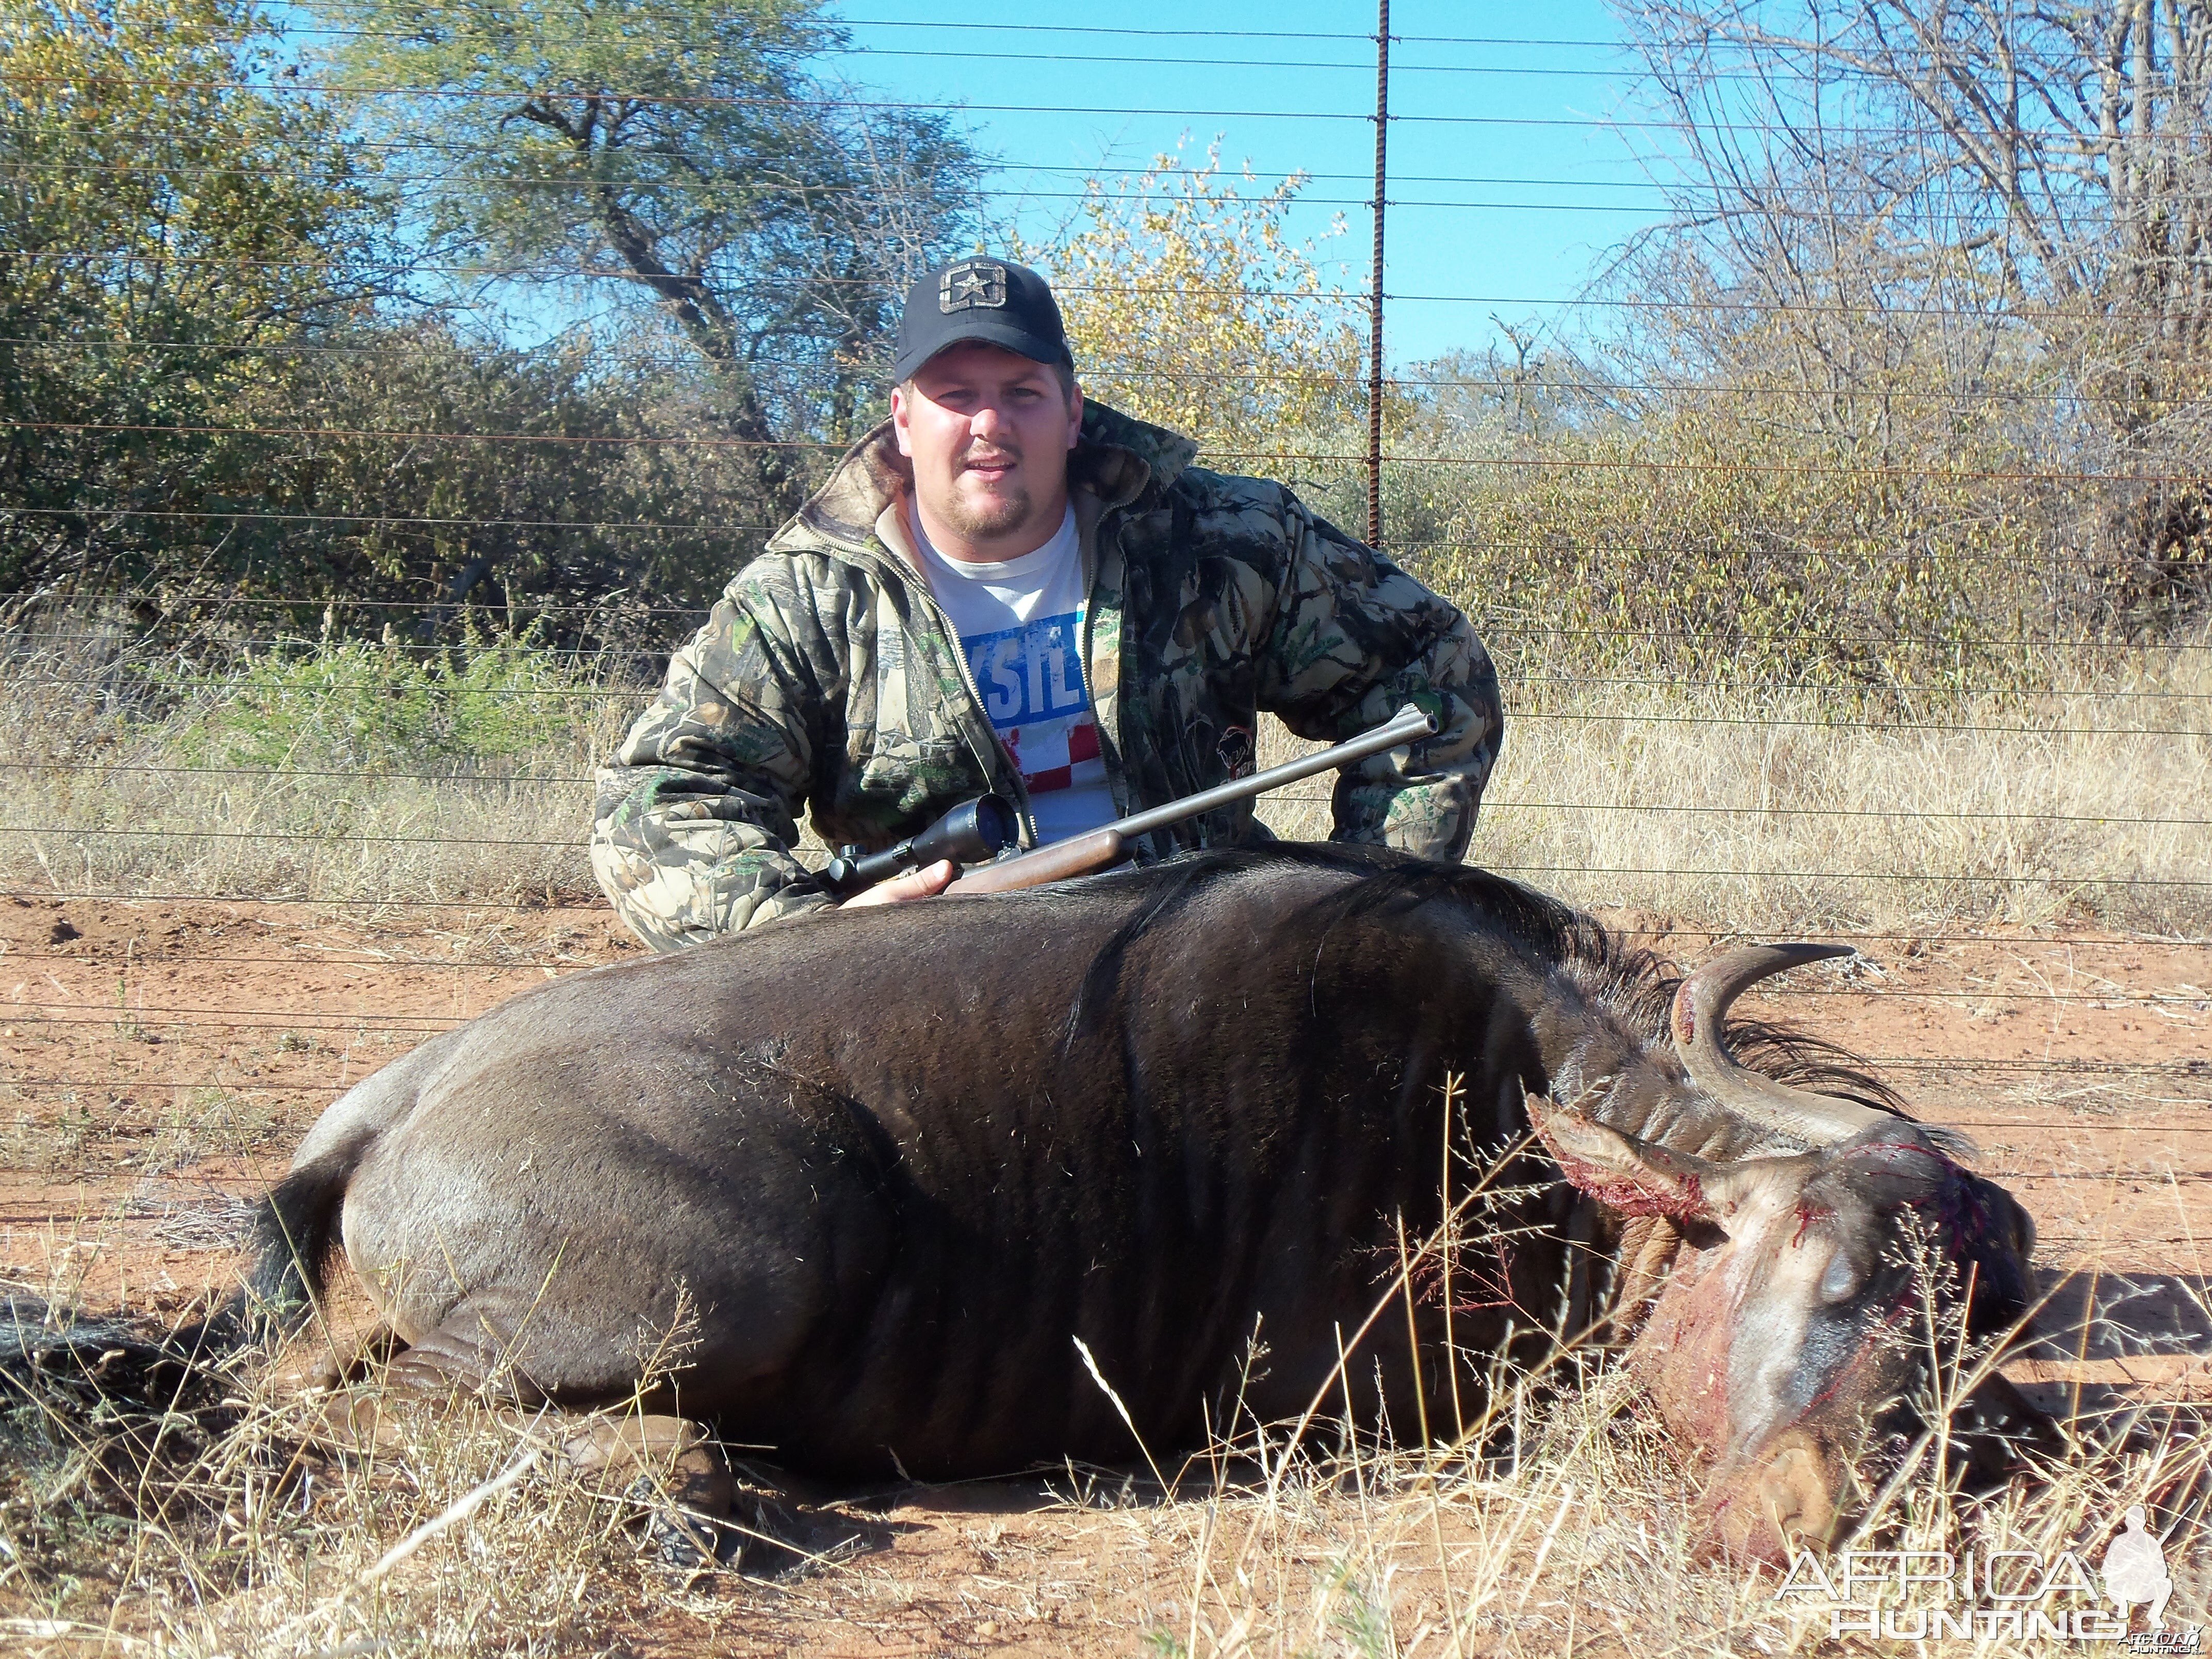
[993, 515]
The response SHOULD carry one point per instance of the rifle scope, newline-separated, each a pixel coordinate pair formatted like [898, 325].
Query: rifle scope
[968, 833]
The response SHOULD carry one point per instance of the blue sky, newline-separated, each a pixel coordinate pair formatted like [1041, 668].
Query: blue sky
[1507, 187]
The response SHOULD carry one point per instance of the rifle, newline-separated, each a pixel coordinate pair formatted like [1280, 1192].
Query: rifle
[964, 833]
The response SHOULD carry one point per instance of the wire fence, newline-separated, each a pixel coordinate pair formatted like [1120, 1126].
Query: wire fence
[1969, 724]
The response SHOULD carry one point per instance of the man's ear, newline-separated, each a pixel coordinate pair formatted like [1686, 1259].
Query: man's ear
[1631, 1177]
[899, 416]
[1074, 416]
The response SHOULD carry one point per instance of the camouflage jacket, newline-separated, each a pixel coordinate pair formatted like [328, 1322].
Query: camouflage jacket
[828, 679]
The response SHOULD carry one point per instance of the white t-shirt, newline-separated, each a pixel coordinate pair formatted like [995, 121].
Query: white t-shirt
[1020, 622]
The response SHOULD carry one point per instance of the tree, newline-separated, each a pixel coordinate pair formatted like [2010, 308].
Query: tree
[686, 157]
[1189, 302]
[1930, 230]
[453, 473]
[162, 223]
[2054, 158]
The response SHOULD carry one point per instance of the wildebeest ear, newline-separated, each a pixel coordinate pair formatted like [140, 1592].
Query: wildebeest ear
[1631, 1176]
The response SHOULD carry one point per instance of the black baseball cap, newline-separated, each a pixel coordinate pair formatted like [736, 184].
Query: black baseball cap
[977, 299]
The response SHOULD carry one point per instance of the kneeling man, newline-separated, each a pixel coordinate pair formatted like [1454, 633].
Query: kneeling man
[1006, 587]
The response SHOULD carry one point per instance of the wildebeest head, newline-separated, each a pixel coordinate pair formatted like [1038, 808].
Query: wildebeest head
[1817, 1288]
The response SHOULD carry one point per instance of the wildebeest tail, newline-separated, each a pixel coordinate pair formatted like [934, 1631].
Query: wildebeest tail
[127, 1373]
[55, 1356]
[121, 1370]
[295, 1233]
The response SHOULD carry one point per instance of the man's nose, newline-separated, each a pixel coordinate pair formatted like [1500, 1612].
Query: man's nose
[989, 422]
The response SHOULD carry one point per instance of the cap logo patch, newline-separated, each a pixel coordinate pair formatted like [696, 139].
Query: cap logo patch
[970, 285]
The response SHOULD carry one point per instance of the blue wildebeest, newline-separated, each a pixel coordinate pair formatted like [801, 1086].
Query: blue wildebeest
[892, 1163]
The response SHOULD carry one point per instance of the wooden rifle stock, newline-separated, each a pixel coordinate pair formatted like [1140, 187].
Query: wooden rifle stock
[1077, 856]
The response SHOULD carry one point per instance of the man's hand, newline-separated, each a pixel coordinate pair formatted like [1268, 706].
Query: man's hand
[924, 883]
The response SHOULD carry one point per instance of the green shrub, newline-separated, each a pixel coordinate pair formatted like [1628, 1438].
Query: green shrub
[354, 706]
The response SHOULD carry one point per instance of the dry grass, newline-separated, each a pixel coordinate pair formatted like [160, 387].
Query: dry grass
[1745, 809]
[346, 774]
[1760, 810]
[1559, 1521]
[243, 1540]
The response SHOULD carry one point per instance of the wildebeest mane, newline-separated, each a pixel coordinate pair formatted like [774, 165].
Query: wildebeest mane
[1637, 984]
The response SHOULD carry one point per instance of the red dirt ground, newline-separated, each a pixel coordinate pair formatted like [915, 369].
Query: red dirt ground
[157, 1059]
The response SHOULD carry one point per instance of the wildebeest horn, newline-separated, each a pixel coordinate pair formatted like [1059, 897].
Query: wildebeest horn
[1702, 1004]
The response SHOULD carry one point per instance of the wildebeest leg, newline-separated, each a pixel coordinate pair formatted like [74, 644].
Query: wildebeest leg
[669, 1469]
[672, 1451]
[1993, 1425]
[663, 1464]
[453, 1357]
[443, 1364]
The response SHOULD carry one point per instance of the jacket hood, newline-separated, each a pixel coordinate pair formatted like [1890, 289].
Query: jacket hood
[1115, 457]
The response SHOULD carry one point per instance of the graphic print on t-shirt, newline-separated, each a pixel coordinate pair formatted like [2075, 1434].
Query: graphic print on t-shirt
[1031, 679]
[1020, 626]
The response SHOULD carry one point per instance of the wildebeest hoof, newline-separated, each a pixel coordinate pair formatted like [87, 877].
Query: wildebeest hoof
[757, 1537]
[685, 1541]
[769, 1532]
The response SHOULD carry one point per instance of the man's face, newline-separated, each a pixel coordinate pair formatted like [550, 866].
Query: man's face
[988, 432]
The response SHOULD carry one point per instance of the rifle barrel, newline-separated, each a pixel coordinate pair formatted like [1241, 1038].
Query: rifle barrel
[1406, 726]
[1080, 854]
